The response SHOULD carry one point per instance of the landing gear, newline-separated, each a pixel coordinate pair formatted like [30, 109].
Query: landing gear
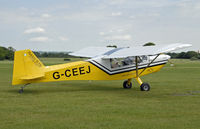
[127, 84]
[145, 87]
[22, 88]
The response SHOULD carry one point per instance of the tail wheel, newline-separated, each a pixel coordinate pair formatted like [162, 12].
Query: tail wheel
[126, 85]
[145, 87]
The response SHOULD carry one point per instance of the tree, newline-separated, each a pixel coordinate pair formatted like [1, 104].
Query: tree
[181, 55]
[2, 53]
[2, 57]
[173, 55]
[6, 53]
[191, 54]
[11, 49]
[45, 54]
[149, 44]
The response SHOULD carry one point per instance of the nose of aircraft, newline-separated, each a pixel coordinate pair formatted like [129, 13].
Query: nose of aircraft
[168, 57]
[164, 57]
[161, 57]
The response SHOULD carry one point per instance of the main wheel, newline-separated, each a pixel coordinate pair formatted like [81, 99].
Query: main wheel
[126, 85]
[145, 87]
[21, 91]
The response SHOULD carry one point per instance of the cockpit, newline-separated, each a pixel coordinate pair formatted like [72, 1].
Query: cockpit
[123, 62]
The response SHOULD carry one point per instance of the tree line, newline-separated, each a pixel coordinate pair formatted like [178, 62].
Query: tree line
[185, 55]
[52, 54]
[8, 54]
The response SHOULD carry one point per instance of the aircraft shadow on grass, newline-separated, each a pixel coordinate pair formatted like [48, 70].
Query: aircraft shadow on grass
[75, 87]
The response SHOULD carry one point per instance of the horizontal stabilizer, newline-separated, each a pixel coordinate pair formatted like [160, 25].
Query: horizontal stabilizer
[32, 77]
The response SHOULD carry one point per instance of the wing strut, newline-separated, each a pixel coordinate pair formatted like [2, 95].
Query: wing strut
[136, 63]
[143, 86]
[147, 65]
[137, 75]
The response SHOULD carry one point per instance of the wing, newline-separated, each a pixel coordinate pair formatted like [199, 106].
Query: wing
[147, 50]
[91, 51]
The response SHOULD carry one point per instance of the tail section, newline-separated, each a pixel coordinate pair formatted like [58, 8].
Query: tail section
[26, 67]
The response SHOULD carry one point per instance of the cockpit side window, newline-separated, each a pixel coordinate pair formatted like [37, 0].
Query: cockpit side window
[115, 63]
[144, 58]
[120, 62]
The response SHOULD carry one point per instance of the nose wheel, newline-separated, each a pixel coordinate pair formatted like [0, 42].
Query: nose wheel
[145, 87]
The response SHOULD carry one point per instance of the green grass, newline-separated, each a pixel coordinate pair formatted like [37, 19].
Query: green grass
[172, 103]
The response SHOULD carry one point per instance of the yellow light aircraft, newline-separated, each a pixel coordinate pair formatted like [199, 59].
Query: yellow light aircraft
[104, 64]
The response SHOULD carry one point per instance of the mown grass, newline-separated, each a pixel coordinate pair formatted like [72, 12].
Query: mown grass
[172, 103]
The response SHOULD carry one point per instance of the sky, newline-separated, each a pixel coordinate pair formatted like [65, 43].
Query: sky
[69, 25]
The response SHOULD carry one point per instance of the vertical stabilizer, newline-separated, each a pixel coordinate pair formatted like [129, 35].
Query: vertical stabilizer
[26, 67]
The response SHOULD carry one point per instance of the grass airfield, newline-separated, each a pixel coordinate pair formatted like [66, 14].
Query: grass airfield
[172, 103]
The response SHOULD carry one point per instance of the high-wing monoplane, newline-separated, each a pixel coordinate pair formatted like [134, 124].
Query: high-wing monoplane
[124, 63]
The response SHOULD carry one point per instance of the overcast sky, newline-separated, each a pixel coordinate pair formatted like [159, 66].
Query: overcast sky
[68, 25]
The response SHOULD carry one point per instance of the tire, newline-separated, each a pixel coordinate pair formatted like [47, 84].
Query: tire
[145, 87]
[126, 86]
[21, 91]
